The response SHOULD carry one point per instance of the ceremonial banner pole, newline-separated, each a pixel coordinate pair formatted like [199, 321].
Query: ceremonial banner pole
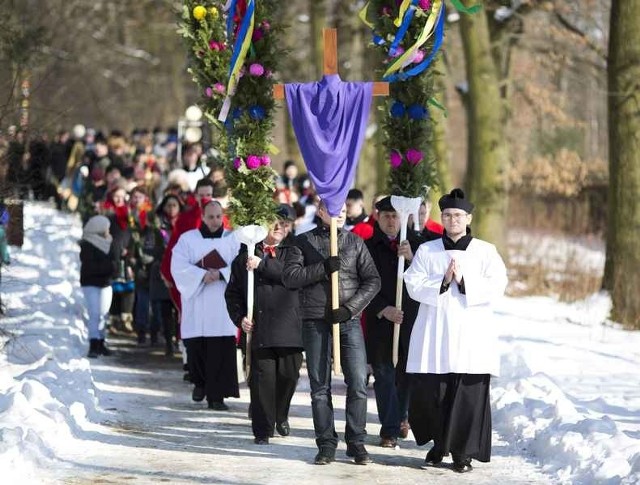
[250, 236]
[404, 206]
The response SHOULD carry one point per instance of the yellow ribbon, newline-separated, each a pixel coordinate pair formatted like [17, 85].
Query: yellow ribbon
[427, 31]
[234, 78]
[403, 8]
[363, 14]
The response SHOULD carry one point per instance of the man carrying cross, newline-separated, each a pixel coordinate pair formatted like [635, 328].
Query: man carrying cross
[308, 266]
[329, 119]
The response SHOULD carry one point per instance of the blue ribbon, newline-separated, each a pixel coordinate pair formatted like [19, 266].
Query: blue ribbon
[246, 22]
[400, 33]
[377, 40]
[417, 69]
[230, 14]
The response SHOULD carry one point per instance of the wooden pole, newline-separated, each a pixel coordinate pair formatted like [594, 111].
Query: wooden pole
[399, 286]
[335, 295]
[251, 249]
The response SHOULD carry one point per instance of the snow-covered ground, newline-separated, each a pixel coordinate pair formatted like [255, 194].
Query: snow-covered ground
[566, 408]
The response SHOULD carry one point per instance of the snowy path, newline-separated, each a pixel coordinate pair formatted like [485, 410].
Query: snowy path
[152, 433]
[568, 398]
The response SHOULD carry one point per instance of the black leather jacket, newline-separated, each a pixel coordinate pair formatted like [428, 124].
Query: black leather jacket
[304, 269]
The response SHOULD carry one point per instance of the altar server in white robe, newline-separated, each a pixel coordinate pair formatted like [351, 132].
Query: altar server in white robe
[207, 331]
[453, 348]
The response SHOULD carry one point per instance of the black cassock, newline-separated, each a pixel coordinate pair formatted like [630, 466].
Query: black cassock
[454, 410]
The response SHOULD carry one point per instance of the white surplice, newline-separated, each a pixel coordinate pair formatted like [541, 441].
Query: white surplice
[455, 332]
[204, 311]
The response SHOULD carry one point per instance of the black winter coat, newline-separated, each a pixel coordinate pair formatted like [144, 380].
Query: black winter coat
[380, 330]
[276, 308]
[304, 268]
[96, 267]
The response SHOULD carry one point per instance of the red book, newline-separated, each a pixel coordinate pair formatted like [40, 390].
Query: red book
[213, 260]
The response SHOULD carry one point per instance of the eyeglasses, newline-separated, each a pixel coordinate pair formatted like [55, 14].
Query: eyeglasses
[457, 216]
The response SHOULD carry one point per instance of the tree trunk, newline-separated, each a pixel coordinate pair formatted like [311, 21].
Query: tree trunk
[488, 150]
[622, 268]
[317, 16]
[440, 145]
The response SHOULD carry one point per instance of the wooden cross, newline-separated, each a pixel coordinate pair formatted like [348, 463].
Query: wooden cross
[330, 65]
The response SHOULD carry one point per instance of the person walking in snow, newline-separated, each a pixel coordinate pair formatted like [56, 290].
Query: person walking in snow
[207, 331]
[452, 350]
[98, 265]
[308, 267]
[276, 330]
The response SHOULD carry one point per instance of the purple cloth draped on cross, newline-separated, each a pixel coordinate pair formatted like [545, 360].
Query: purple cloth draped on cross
[329, 119]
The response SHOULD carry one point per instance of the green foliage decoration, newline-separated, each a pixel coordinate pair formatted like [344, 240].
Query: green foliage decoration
[244, 138]
[407, 126]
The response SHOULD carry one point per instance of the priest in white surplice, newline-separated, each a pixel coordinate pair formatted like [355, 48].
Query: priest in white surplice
[453, 349]
[207, 330]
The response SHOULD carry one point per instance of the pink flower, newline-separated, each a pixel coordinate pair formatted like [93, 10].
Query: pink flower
[266, 25]
[253, 162]
[219, 88]
[237, 163]
[208, 92]
[257, 35]
[214, 45]
[265, 160]
[395, 159]
[424, 4]
[418, 57]
[398, 52]
[386, 11]
[414, 157]
[256, 69]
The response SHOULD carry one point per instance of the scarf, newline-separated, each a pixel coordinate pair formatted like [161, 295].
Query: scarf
[94, 233]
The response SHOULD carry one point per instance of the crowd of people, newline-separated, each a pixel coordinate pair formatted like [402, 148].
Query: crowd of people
[159, 259]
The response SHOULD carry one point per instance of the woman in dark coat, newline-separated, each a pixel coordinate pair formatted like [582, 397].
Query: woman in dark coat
[97, 267]
[162, 309]
[276, 331]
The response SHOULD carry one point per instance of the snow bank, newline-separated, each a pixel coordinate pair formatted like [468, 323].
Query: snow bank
[575, 439]
[46, 390]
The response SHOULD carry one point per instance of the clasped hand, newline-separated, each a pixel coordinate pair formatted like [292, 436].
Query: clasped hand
[453, 272]
[210, 276]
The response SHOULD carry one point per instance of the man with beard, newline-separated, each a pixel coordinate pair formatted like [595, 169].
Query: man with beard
[276, 344]
[452, 352]
[391, 383]
[206, 329]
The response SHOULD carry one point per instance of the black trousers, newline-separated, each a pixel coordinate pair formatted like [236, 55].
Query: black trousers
[453, 410]
[273, 381]
[212, 365]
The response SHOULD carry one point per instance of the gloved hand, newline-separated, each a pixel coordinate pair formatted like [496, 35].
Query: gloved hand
[339, 315]
[332, 264]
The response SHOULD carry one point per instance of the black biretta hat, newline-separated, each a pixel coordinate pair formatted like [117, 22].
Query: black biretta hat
[455, 200]
[385, 205]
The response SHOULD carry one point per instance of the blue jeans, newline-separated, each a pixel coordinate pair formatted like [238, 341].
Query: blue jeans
[98, 301]
[141, 316]
[316, 335]
[387, 399]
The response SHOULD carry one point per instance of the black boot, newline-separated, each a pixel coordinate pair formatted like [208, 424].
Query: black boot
[94, 348]
[103, 349]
